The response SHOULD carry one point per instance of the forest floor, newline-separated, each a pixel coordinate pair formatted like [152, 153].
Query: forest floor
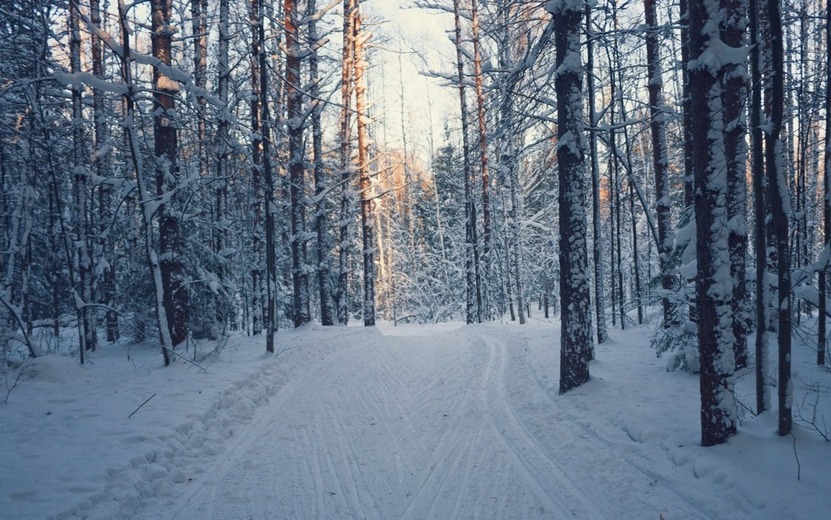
[410, 422]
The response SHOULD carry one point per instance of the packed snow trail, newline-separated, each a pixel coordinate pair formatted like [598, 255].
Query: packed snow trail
[414, 428]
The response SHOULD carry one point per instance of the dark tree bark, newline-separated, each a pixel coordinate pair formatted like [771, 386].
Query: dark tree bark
[473, 298]
[713, 287]
[367, 204]
[256, 169]
[268, 199]
[106, 240]
[822, 336]
[347, 198]
[165, 150]
[222, 148]
[663, 204]
[297, 181]
[735, 151]
[576, 336]
[147, 213]
[779, 209]
[321, 225]
[82, 254]
[482, 287]
[760, 209]
[599, 275]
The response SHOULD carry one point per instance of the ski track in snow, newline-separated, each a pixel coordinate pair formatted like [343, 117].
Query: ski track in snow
[391, 427]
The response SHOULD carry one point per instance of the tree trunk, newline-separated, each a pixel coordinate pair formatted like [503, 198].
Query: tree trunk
[82, 255]
[106, 240]
[297, 182]
[347, 192]
[324, 246]
[268, 199]
[473, 301]
[658, 114]
[165, 150]
[779, 210]
[256, 170]
[222, 148]
[483, 162]
[144, 194]
[367, 204]
[826, 204]
[735, 148]
[576, 335]
[715, 333]
[599, 275]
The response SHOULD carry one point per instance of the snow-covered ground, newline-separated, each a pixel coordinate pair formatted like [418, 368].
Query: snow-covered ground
[444, 421]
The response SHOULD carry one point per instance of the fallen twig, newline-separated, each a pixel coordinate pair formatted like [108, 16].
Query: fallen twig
[142, 404]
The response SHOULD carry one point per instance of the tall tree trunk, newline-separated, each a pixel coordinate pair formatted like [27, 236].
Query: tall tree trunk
[658, 114]
[147, 212]
[715, 332]
[473, 300]
[324, 245]
[82, 255]
[483, 161]
[367, 204]
[106, 240]
[686, 103]
[735, 148]
[822, 336]
[347, 191]
[760, 209]
[599, 275]
[256, 170]
[268, 199]
[297, 182]
[222, 146]
[576, 335]
[165, 149]
[779, 210]
[199, 20]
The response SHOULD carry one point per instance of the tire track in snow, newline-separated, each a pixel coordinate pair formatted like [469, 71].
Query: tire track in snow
[539, 470]
[621, 468]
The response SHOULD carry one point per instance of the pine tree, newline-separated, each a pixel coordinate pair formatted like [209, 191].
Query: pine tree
[713, 283]
[576, 336]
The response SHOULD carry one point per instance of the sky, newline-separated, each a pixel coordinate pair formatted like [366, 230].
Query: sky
[420, 39]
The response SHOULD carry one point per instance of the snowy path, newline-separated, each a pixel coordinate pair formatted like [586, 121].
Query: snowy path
[421, 427]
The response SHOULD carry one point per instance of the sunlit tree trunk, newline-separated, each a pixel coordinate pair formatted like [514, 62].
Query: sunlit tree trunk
[365, 185]
[347, 190]
[483, 163]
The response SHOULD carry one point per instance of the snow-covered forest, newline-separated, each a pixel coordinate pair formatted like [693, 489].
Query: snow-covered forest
[566, 236]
